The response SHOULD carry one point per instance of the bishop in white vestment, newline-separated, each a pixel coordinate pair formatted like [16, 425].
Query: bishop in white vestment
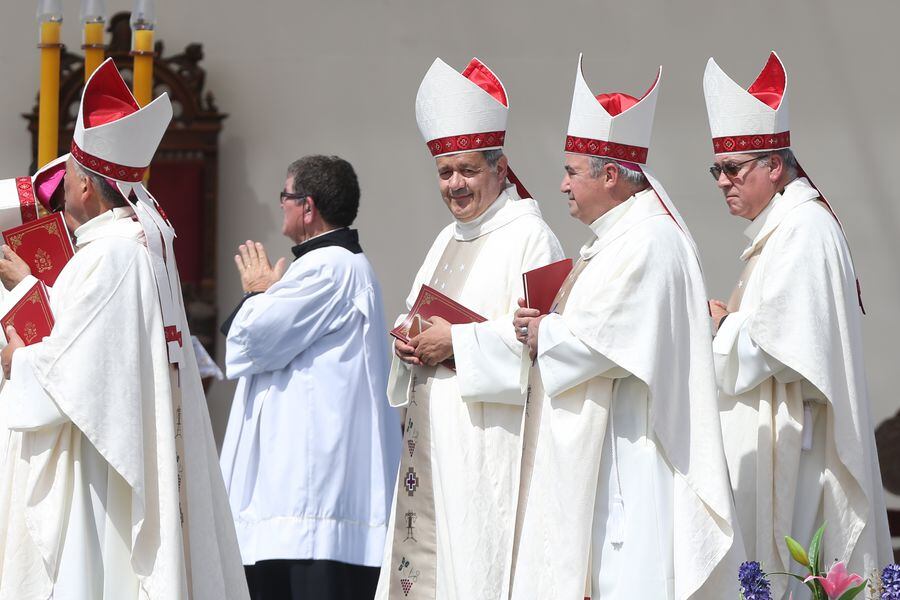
[624, 486]
[788, 350]
[454, 512]
[110, 488]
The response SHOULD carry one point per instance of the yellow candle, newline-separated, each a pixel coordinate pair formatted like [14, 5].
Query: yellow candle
[143, 65]
[93, 47]
[48, 108]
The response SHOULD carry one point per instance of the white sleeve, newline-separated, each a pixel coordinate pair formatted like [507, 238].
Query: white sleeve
[565, 361]
[488, 361]
[27, 403]
[741, 364]
[273, 328]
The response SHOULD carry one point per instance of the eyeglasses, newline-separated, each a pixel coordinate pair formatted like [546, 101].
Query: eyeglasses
[729, 168]
[291, 196]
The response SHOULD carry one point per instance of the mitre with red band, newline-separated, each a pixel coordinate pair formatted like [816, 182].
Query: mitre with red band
[20, 196]
[754, 120]
[461, 112]
[114, 136]
[464, 112]
[616, 125]
[751, 120]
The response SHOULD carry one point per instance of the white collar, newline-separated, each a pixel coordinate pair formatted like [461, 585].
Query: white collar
[758, 231]
[93, 229]
[614, 223]
[507, 207]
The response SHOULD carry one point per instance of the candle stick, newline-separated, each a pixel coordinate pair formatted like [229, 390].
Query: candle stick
[93, 15]
[50, 19]
[143, 19]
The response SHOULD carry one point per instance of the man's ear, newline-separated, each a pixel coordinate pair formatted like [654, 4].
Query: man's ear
[502, 167]
[311, 210]
[776, 167]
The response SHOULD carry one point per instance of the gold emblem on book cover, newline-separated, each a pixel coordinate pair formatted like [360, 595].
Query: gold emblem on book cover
[42, 260]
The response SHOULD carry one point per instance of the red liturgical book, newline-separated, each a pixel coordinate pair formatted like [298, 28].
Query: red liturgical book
[31, 315]
[44, 244]
[542, 284]
[431, 303]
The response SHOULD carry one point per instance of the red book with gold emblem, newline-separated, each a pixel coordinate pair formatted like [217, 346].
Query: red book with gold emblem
[542, 284]
[431, 303]
[44, 244]
[31, 315]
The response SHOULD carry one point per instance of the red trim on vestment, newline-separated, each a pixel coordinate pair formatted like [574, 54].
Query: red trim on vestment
[27, 205]
[107, 168]
[172, 334]
[580, 145]
[466, 142]
[752, 143]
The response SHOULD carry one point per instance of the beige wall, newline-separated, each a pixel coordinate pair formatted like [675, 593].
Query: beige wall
[341, 77]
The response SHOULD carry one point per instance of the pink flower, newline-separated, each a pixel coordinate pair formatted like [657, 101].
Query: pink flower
[837, 581]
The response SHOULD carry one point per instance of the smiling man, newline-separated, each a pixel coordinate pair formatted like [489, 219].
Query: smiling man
[454, 509]
[789, 362]
[623, 401]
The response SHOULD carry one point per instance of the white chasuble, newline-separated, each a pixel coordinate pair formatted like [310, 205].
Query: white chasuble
[624, 489]
[89, 492]
[792, 390]
[476, 412]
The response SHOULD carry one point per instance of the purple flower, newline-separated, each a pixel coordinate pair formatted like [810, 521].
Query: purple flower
[754, 583]
[890, 582]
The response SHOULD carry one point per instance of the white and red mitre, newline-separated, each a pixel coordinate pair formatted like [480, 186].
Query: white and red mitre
[618, 126]
[461, 112]
[751, 120]
[20, 196]
[615, 125]
[114, 136]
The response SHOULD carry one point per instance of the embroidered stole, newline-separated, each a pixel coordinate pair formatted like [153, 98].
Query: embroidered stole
[737, 295]
[414, 544]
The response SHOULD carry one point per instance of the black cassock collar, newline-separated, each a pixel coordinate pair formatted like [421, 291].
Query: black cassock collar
[344, 237]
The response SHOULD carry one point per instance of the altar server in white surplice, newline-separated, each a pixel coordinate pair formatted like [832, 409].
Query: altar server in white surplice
[789, 356]
[624, 487]
[311, 449]
[110, 489]
[453, 516]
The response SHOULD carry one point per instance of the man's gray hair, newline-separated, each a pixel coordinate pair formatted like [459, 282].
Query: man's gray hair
[110, 195]
[635, 178]
[791, 166]
[492, 157]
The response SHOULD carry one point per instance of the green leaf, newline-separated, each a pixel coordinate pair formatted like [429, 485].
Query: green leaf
[797, 551]
[815, 548]
[851, 593]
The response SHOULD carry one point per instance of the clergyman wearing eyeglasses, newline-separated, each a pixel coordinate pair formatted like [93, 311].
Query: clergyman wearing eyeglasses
[797, 430]
[312, 447]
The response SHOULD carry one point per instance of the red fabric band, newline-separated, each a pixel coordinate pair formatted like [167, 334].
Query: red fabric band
[466, 142]
[751, 143]
[106, 168]
[172, 334]
[579, 145]
[27, 205]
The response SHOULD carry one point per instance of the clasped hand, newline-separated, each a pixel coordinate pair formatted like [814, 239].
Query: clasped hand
[257, 273]
[431, 347]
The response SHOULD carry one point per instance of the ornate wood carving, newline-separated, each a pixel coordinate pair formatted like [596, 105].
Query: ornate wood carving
[191, 141]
